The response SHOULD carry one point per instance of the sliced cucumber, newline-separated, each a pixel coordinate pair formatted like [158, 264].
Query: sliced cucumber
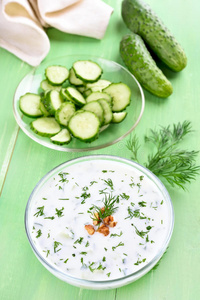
[87, 92]
[46, 86]
[75, 96]
[96, 108]
[64, 95]
[121, 95]
[45, 126]
[81, 89]
[99, 85]
[84, 125]
[64, 113]
[52, 101]
[73, 79]
[87, 70]
[29, 104]
[61, 138]
[62, 105]
[43, 109]
[56, 75]
[107, 111]
[119, 116]
[99, 95]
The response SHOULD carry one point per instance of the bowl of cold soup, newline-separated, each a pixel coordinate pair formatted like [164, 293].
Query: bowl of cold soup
[99, 221]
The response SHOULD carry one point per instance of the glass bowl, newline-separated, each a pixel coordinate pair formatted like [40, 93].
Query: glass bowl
[106, 165]
[113, 72]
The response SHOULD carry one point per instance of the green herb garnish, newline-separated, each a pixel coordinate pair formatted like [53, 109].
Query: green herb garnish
[135, 214]
[40, 211]
[120, 244]
[139, 261]
[84, 196]
[47, 252]
[56, 244]
[39, 233]
[140, 233]
[62, 176]
[79, 241]
[168, 162]
[87, 244]
[109, 183]
[50, 218]
[100, 267]
[59, 212]
[142, 204]
[115, 234]
[124, 196]
[108, 205]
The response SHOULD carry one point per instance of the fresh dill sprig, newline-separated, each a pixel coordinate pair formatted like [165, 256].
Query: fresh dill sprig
[40, 211]
[109, 183]
[169, 162]
[133, 145]
[107, 209]
[56, 245]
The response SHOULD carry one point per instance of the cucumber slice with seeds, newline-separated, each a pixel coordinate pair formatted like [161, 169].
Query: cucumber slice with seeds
[73, 79]
[56, 75]
[46, 86]
[96, 108]
[45, 126]
[75, 96]
[52, 101]
[84, 125]
[43, 109]
[99, 85]
[107, 111]
[121, 95]
[64, 113]
[64, 95]
[29, 104]
[99, 95]
[61, 138]
[87, 70]
[119, 116]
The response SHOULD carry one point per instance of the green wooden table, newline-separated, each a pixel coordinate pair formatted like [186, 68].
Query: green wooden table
[23, 162]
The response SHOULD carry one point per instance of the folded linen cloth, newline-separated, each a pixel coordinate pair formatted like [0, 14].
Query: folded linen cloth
[21, 33]
[22, 22]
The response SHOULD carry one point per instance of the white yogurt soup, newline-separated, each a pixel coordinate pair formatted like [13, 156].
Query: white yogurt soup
[99, 218]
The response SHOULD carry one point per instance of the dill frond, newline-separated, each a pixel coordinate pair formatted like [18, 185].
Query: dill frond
[169, 162]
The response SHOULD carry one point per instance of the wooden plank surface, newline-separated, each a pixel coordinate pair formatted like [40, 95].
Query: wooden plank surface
[23, 162]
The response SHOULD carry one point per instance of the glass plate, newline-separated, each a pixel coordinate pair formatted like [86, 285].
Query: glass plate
[113, 72]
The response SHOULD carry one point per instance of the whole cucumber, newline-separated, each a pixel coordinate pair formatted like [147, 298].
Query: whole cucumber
[140, 63]
[141, 19]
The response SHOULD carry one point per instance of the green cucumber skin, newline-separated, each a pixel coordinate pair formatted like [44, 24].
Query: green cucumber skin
[61, 143]
[141, 19]
[140, 63]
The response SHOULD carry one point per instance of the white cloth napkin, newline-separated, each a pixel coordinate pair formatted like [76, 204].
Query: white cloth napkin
[22, 22]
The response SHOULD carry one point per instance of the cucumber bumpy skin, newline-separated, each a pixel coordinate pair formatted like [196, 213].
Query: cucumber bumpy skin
[140, 63]
[141, 19]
